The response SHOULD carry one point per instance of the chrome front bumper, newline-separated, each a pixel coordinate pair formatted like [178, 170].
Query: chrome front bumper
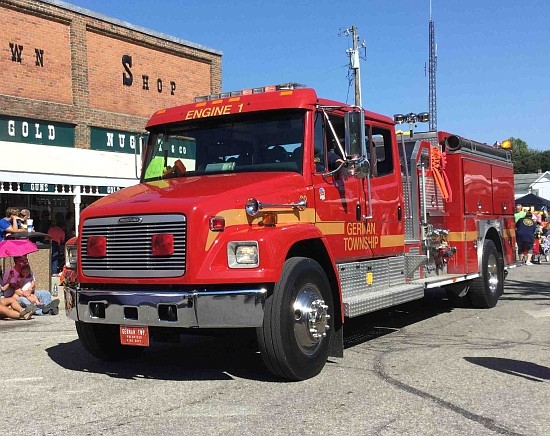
[199, 309]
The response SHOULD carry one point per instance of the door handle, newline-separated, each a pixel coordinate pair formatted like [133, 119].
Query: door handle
[399, 213]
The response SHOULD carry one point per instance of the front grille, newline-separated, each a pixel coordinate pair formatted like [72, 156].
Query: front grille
[129, 252]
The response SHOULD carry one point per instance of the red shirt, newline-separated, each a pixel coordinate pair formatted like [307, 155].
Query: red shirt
[57, 234]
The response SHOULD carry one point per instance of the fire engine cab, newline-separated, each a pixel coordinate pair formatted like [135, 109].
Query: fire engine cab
[276, 210]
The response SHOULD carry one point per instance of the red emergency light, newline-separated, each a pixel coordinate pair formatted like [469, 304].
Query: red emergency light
[97, 246]
[162, 244]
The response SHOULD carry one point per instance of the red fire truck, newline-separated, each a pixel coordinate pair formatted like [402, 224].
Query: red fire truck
[276, 210]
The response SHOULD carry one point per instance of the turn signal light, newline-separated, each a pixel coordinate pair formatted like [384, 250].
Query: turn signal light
[97, 246]
[162, 244]
[217, 223]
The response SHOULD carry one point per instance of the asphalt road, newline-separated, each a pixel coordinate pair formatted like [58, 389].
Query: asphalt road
[422, 368]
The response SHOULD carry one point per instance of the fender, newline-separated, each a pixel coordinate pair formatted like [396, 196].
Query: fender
[274, 244]
[489, 229]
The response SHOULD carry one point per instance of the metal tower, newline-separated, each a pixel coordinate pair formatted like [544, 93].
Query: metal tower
[432, 65]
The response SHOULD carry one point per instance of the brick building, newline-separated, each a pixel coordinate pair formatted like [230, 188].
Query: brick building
[76, 91]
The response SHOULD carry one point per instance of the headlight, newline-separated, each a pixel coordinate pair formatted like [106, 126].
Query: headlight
[243, 254]
[71, 255]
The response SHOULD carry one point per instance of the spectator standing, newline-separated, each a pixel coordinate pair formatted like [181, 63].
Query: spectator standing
[69, 225]
[57, 234]
[10, 223]
[44, 222]
[56, 231]
[525, 236]
[520, 213]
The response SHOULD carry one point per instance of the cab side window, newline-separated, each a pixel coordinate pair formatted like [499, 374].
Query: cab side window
[319, 143]
[335, 135]
[381, 151]
[326, 147]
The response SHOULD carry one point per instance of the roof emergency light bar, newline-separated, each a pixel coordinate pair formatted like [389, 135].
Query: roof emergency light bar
[422, 117]
[270, 88]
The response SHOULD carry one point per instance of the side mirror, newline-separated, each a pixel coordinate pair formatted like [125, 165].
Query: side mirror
[355, 133]
[359, 169]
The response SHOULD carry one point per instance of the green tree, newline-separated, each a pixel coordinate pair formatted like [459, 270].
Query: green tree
[527, 160]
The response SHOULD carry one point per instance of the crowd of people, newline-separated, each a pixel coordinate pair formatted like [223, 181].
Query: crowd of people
[19, 298]
[59, 230]
[529, 225]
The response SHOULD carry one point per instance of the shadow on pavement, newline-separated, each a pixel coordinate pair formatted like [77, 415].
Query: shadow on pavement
[383, 322]
[526, 290]
[222, 357]
[195, 358]
[519, 368]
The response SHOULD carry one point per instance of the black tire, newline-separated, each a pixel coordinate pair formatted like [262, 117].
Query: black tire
[103, 342]
[301, 302]
[487, 289]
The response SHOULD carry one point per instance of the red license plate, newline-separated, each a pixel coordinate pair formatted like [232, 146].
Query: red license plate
[134, 335]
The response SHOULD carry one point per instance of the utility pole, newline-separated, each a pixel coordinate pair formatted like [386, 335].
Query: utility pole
[355, 67]
[353, 54]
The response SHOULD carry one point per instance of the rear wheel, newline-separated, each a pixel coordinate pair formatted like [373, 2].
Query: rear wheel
[487, 289]
[298, 321]
[103, 342]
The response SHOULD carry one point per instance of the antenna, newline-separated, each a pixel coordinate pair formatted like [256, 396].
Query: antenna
[432, 66]
[353, 54]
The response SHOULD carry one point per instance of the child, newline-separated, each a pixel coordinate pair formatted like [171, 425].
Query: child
[25, 285]
[20, 285]
[11, 277]
[10, 282]
[27, 296]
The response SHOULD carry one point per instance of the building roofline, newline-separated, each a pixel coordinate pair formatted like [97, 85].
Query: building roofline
[89, 13]
[541, 176]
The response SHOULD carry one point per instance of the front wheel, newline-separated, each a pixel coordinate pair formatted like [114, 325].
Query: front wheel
[487, 289]
[103, 342]
[298, 321]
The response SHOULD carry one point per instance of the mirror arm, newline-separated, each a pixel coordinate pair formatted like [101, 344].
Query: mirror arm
[340, 148]
[330, 173]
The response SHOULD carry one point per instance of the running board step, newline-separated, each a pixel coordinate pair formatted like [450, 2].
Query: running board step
[370, 301]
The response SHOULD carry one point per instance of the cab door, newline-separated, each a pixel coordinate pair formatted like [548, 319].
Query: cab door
[387, 201]
[337, 195]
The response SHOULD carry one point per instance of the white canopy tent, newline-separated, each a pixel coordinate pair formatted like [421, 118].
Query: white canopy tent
[55, 170]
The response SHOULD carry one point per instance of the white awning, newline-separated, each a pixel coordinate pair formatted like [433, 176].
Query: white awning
[32, 163]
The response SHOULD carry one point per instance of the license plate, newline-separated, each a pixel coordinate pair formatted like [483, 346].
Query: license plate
[134, 335]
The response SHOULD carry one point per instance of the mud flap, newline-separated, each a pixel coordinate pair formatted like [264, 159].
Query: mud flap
[336, 347]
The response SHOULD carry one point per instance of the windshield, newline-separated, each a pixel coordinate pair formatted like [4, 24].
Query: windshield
[264, 141]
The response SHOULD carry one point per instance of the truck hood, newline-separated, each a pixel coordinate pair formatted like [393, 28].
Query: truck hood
[210, 193]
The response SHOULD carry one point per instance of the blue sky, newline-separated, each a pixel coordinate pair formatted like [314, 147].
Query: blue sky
[493, 68]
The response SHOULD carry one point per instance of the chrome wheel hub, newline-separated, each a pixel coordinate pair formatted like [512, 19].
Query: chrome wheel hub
[492, 273]
[310, 319]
